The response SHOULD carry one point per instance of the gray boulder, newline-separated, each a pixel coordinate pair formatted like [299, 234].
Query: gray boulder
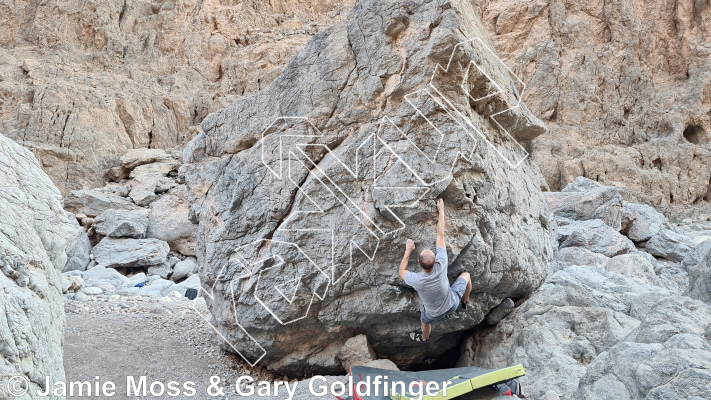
[604, 203]
[169, 221]
[35, 235]
[596, 236]
[185, 269]
[162, 270]
[130, 253]
[79, 252]
[638, 266]
[91, 290]
[500, 312]
[122, 223]
[92, 202]
[581, 184]
[670, 245]
[149, 180]
[577, 256]
[103, 274]
[667, 357]
[698, 263]
[256, 204]
[576, 316]
[641, 222]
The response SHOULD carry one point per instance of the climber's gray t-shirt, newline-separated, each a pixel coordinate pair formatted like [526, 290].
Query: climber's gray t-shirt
[433, 287]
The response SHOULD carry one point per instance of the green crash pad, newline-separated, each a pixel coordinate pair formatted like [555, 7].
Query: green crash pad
[462, 380]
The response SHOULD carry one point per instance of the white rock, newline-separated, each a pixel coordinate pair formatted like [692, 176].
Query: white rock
[92, 290]
[131, 253]
[185, 269]
[35, 237]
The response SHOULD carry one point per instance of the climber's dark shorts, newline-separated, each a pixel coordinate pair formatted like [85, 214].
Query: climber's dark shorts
[457, 290]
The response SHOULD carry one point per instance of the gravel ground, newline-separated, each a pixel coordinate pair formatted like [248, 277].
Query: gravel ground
[139, 336]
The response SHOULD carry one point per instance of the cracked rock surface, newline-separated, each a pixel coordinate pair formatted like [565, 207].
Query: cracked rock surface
[283, 204]
[35, 235]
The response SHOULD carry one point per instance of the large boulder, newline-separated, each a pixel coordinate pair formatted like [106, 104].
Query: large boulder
[670, 245]
[35, 235]
[698, 263]
[92, 202]
[169, 221]
[344, 187]
[602, 202]
[667, 357]
[131, 253]
[641, 222]
[79, 252]
[122, 223]
[576, 316]
[594, 235]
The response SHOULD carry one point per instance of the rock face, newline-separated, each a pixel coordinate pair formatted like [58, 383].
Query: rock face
[35, 235]
[344, 181]
[81, 88]
[612, 328]
[624, 91]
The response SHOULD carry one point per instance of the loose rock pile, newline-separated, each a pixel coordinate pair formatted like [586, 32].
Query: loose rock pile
[143, 241]
[625, 312]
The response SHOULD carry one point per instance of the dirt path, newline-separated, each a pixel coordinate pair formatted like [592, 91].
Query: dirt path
[163, 341]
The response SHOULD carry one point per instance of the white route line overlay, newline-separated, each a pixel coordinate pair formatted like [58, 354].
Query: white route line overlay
[332, 279]
[499, 91]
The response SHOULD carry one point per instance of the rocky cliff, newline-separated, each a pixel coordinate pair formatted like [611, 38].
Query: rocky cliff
[35, 235]
[624, 87]
[306, 192]
[81, 83]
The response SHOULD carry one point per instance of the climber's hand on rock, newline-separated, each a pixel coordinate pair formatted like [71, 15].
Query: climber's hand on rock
[410, 245]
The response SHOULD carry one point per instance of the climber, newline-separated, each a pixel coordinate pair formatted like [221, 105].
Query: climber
[438, 298]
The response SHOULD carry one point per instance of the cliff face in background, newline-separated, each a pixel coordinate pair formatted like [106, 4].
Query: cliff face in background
[82, 82]
[623, 86]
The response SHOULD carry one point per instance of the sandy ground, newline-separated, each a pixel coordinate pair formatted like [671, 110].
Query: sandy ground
[163, 341]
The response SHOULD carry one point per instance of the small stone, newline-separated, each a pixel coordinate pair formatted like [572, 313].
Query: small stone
[92, 291]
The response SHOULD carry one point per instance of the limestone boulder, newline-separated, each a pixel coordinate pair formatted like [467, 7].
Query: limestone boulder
[130, 253]
[576, 317]
[595, 236]
[79, 252]
[638, 266]
[577, 256]
[185, 269]
[667, 356]
[169, 221]
[698, 263]
[603, 202]
[122, 223]
[641, 222]
[349, 182]
[35, 235]
[670, 245]
[92, 202]
[356, 351]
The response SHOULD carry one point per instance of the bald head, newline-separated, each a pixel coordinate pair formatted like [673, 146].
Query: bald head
[426, 259]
